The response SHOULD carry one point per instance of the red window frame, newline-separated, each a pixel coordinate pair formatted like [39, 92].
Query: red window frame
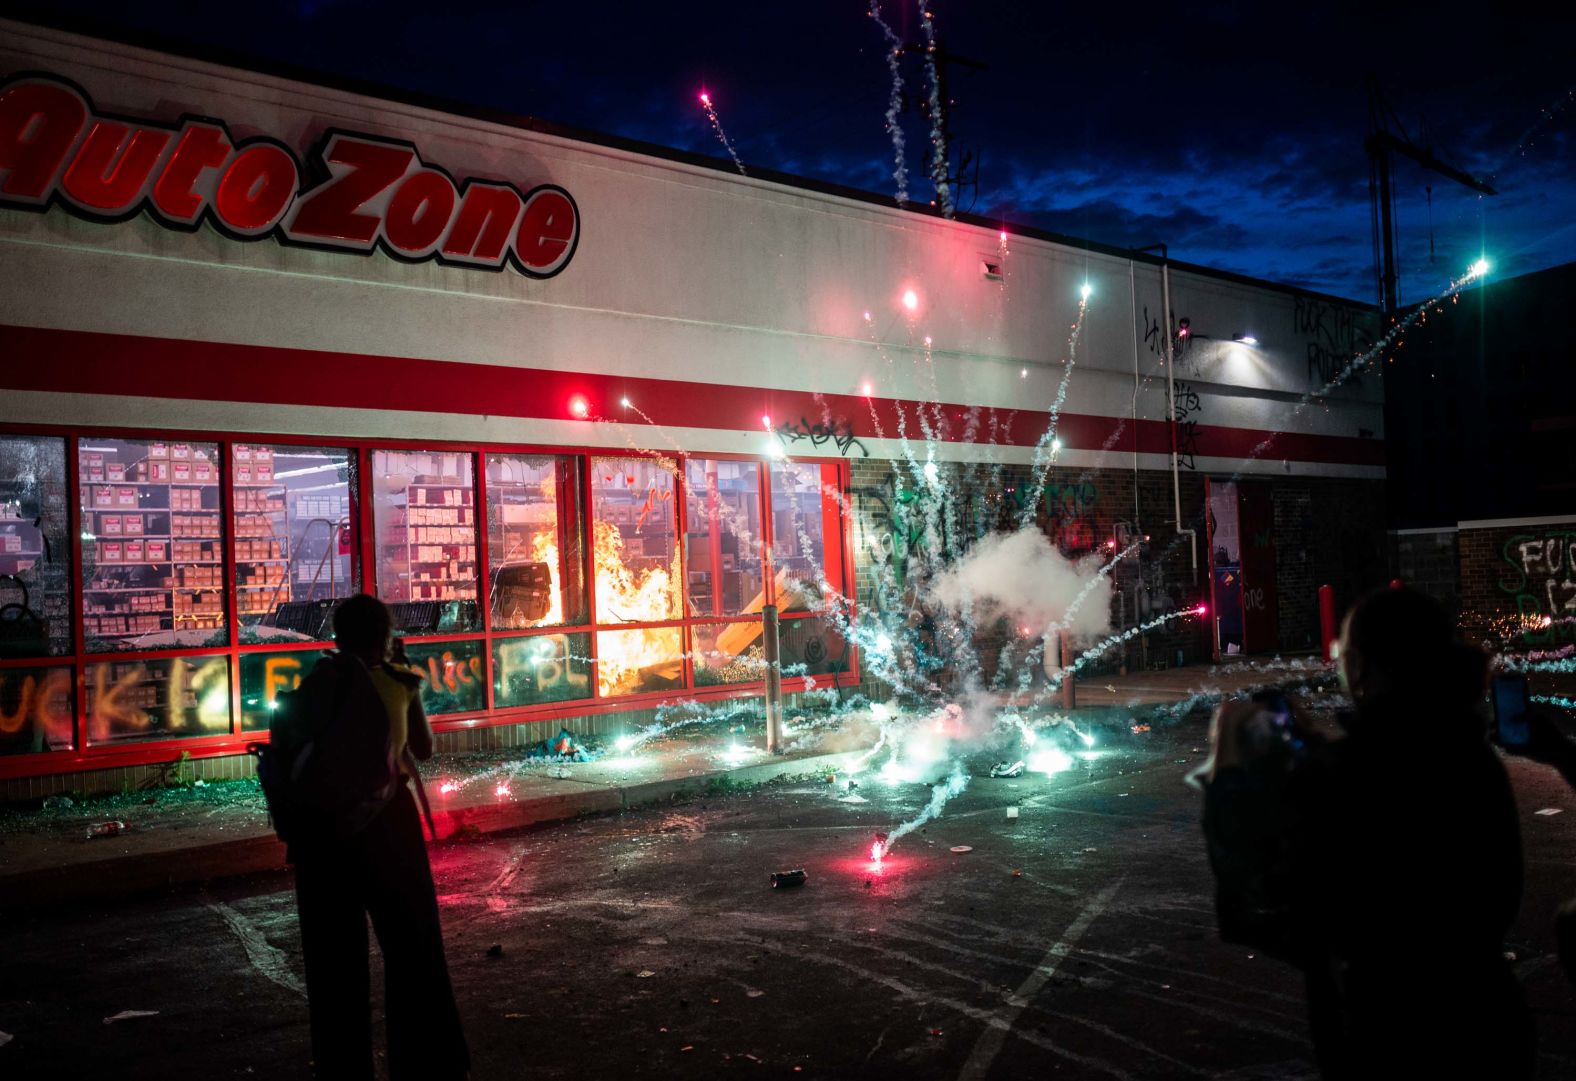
[84, 755]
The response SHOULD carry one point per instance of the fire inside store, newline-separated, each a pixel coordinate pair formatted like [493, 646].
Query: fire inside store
[590, 415]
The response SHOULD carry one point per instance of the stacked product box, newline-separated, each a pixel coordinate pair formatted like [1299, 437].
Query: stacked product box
[138, 497]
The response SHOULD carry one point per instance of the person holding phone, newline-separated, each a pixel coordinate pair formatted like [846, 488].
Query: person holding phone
[1389, 860]
[1534, 732]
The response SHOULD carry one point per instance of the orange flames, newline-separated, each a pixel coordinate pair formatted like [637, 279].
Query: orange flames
[627, 595]
[544, 549]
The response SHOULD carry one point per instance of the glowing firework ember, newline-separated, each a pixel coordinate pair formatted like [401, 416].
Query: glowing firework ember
[722, 136]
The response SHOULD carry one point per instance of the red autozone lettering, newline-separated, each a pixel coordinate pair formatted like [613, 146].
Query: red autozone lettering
[374, 192]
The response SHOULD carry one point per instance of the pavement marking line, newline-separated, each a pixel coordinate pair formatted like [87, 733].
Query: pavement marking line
[1002, 1019]
[266, 958]
[924, 996]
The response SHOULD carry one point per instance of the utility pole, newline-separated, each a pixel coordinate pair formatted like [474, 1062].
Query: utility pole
[1386, 136]
[938, 109]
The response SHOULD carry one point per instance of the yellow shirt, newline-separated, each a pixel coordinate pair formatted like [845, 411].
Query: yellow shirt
[396, 701]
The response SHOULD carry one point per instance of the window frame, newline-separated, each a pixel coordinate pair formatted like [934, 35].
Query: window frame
[85, 755]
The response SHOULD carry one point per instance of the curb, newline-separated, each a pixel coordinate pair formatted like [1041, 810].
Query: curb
[141, 874]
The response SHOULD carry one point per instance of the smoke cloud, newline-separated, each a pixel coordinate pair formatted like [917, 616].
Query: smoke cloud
[1023, 577]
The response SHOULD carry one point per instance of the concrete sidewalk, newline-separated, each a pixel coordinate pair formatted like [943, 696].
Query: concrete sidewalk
[186, 837]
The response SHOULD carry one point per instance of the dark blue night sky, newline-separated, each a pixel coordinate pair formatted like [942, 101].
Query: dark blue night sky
[1233, 133]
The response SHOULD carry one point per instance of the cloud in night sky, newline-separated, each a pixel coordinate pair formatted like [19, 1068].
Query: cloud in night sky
[1232, 133]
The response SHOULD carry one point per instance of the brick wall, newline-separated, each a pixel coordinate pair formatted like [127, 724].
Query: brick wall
[1513, 578]
[1328, 531]
[1430, 562]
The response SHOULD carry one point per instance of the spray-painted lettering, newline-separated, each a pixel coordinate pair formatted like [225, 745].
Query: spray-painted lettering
[1541, 577]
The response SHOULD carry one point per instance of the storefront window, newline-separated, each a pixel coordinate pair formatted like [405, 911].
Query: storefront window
[811, 647]
[639, 660]
[152, 544]
[264, 676]
[163, 698]
[35, 709]
[35, 559]
[424, 515]
[535, 541]
[542, 668]
[800, 510]
[455, 679]
[728, 653]
[294, 538]
[636, 558]
[722, 542]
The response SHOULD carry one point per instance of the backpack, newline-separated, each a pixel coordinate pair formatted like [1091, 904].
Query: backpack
[327, 769]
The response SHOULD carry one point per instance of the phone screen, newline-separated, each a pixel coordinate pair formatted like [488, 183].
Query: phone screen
[1510, 710]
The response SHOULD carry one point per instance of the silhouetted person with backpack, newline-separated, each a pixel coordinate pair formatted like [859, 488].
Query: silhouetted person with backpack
[356, 842]
[1385, 864]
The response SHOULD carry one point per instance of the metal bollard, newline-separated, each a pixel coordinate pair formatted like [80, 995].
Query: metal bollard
[774, 679]
[1069, 685]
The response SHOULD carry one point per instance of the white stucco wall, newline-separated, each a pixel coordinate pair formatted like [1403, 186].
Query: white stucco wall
[682, 273]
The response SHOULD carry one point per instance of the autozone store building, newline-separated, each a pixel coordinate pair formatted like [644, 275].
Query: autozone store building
[577, 411]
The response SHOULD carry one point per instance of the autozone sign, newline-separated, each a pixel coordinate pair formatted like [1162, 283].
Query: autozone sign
[362, 191]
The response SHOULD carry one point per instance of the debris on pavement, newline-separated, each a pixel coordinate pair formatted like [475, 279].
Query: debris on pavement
[1550, 811]
[644, 974]
[784, 879]
[1140, 728]
[495, 950]
[53, 803]
[107, 829]
[1007, 769]
[1012, 812]
[962, 848]
[753, 993]
[129, 1015]
[561, 748]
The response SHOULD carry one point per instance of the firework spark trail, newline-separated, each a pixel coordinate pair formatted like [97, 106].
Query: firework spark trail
[1557, 700]
[938, 140]
[1564, 665]
[902, 422]
[1036, 652]
[1047, 440]
[955, 783]
[1546, 115]
[722, 136]
[1362, 360]
[1054, 684]
[1089, 587]
[1369, 355]
[894, 104]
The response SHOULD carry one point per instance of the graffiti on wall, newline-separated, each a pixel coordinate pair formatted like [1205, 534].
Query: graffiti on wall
[1333, 336]
[1154, 338]
[839, 432]
[1188, 407]
[1065, 512]
[1541, 580]
[35, 709]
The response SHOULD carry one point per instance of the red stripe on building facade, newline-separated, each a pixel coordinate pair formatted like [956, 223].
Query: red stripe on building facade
[73, 361]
